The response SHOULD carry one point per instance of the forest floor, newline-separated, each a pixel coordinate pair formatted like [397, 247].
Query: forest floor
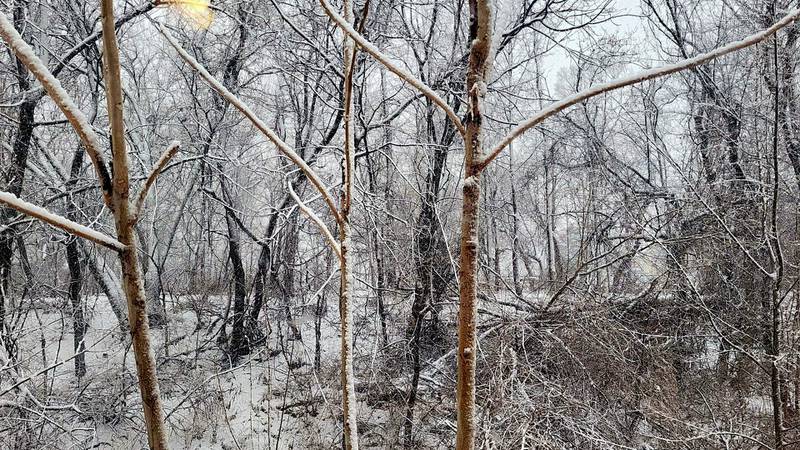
[273, 398]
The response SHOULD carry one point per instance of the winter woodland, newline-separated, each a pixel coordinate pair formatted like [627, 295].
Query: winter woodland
[470, 224]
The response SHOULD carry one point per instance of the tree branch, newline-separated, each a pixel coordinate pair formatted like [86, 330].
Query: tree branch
[383, 59]
[154, 173]
[29, 209]
[644, 75]
[317, 221]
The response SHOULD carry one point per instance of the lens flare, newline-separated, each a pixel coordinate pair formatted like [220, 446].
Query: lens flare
[197, 12]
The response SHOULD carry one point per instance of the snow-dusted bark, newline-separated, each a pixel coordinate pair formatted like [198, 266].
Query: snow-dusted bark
[60, 222]
[349, 405]
[480, 58]
[61, 98]
[132, 283]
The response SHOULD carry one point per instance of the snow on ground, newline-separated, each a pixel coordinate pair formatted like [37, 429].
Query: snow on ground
[208, 404]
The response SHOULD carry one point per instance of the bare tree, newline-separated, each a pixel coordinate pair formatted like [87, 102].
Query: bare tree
[116, 191]
[476, 160]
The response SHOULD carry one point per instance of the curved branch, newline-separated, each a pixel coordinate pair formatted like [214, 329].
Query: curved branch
[154, 173]
[244, 109]
[317, 221]
[644, 75]
[383, 59]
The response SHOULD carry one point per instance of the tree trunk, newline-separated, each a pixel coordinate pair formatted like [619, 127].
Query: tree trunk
[778, 267]
[108, 286]
[15, 176]
[515, 241]
[380, 284]
[349, 406]
[78, 320]
[289, 257]
[319, 312]
[375, 238]
[75, 266]
[479, 65]
[237, 345]
[498, 252]
[132, 283]
[411, 401]
[156, 310]
[161, 253]
[431, 282]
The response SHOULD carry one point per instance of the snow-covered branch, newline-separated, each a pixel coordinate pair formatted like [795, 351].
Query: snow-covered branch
[60, 222]
[282, 146]
[399, 71]
[76, 118]
[317, 221]
[644, 75]
[154, 173]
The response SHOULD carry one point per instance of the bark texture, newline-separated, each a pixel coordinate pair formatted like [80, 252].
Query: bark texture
[132, 283]
[349, 406]
[477, 72]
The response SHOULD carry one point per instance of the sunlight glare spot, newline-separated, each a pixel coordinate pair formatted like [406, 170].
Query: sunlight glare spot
[198, 12]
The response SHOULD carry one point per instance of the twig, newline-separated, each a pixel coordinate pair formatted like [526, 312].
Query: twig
[154, 173]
